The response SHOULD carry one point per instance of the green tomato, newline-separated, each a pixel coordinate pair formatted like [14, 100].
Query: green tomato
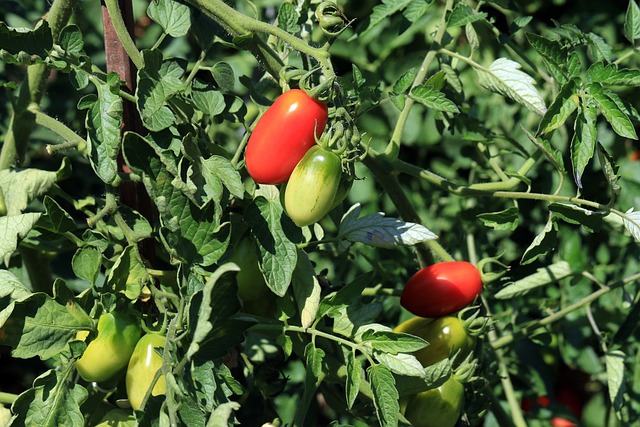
[110, 351]
[446, 337]
[313, 186]
[251, 283]
[438, 407]
[144, 364]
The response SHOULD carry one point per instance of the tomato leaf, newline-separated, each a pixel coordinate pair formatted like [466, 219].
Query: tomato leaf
[573, 214]
[507, 219]
[20, 187]
[543, 242]
[463, 15]
[609, 168]
[220, 417]
[355, 374]
[313, 377]
[25, 46]
[583, 142]
[385, 395]
[14, 228]
[560, 110]
[632, 22]
[306, 289]
[615, 382]
[128, 274]
[392, 342]
[617, 118]
[206, 98]
[542, 277]
[86, 263]
[554, 55]
[53, 401]
[503, 76]
[173, 16]
[401, 363]
[433, 98]
[631, 221]
[12, 289]
[380, 231]
[271, 229]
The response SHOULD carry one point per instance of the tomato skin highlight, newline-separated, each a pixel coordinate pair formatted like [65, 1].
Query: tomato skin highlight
[313, 186]
[110, 351]
[142, 367]
[438, 407]
[446, 337]
[441, 289]
[282, 136]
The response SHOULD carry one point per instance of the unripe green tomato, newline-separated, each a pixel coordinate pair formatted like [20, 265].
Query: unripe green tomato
[251, 283]
[438, 407]
[313, 186]
[110, 351]
[144, 364]
[446, 337]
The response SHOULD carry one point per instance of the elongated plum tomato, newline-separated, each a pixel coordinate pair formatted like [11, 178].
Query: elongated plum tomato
[313, 186]
[441, 289]
[284, 133]
[446, 337]
[144, 364]
[110, 351]
[438, 407]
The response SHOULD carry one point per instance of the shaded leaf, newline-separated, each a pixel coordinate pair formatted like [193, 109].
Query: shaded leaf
[542, 277]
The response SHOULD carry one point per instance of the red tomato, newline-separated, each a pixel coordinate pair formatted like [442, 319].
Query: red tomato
[282, 136]
[562, 422]
[441, 289]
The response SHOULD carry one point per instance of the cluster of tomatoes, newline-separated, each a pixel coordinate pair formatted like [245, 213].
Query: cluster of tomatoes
[433, 294]
[283, 149]
[119, 345]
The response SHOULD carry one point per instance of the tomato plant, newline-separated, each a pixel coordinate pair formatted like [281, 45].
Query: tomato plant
[313, 186]
[109, 352]
[441, 289]
[438, 407]
[156, 156]
[145, 362]
[282, 136]
[446, 337]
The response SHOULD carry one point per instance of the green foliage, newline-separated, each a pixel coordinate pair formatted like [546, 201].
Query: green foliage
[496, 133]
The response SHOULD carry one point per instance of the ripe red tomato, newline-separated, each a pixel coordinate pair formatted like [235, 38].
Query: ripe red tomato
[562, 422]
[284, 133]
[441, 289]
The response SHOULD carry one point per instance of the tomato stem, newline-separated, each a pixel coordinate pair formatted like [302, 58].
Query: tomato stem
[7, 398]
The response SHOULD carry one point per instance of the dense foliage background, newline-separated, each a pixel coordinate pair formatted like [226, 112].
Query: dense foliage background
[506, 128]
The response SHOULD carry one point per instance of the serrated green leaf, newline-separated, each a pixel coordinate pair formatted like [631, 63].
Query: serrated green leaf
[631, 221]
[615, 381]
[128, 274]
[11, 290]
[20, 187]
[347, 295]
[355, 373]
[104, 122]
[610, 75]
[632, 22]
[416, 10]
[56, 219]
[215, 307]
[53, 401]
[472, 36]
[617, 118]
[380, 13]
[278, 254]
[86, 263]
[380, 231]
[190, 234]
[599, 47]
[609, 168]
[542, 277]
[218, 172]
[313, 377]
[507, 219]
[543, 242]
[577, 215]
[504, 76]
[224, 76]
[463, 15]
[433, 98]
[70, 40]
[385, 395]
[583, 143]
[12, 229]
[392, 342]
[561, 109]
[553, 53]
[553, 155]
[21, 45]
[306, 289]
[288, 18]
[41, 327]
[173, 16]
[206, 98]
[405, 81]
[401, 364]
[158, 81]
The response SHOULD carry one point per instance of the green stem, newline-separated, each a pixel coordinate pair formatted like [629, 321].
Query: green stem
[508, 339]
[393, 148]
[7, 398]
[73, 139]
[109, 207]
[379, 290]
[463, 58]
[123, 34]
[382, 170]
